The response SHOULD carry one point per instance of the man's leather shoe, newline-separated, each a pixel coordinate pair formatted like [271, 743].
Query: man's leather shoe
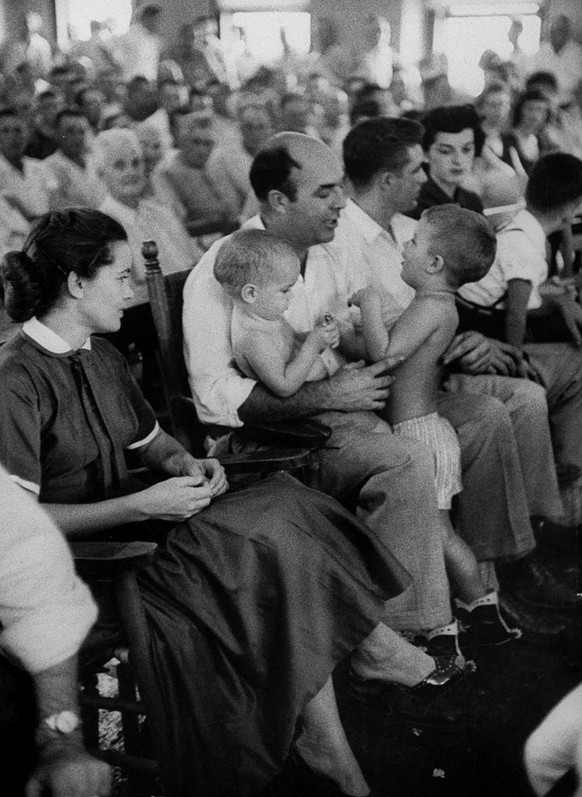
[422, 705]
[530, 581]
[540, 625]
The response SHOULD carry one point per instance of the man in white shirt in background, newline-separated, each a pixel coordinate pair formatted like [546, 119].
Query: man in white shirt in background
[138, 50]
[70, 169]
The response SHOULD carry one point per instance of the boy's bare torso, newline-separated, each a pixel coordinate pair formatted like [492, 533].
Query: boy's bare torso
[414, 390]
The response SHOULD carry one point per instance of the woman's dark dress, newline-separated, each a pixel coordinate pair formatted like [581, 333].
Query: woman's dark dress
[251, 603]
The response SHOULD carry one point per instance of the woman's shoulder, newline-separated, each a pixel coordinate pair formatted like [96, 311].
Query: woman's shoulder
[22, 366]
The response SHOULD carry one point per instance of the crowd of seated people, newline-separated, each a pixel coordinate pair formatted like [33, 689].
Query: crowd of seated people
[95, 158]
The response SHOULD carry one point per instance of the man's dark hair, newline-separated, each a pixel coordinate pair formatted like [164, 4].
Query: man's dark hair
[555, 181]
[64, 112]
[542, 79]
[367, 91]
[9, 112]
[376, 145]
[452, 119]
[48, 94]
[364, 109]
[271, 170]
[532, 95]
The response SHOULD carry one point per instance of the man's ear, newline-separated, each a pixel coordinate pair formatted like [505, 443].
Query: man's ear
[248, 293]
[277, 201]
[75, 285]
[386, 179]
[436, 264]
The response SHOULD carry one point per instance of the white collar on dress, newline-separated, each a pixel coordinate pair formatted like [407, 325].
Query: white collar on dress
[48, 339]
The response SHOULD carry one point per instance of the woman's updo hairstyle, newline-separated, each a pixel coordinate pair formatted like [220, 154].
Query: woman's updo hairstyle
[76, 239]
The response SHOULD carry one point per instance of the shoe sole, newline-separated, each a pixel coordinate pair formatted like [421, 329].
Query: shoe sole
[379, 695]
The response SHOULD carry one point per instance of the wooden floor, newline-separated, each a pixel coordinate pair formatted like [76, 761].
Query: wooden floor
[513, 687]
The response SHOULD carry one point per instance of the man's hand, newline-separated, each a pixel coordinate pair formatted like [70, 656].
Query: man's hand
[358, 386]
[471, 351]
[67, 770]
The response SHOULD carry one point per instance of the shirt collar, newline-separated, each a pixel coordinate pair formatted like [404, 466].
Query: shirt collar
[402, 227]
[369, 229]
[49, 340]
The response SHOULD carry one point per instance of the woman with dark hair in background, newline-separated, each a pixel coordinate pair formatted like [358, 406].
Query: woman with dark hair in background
[528, 138]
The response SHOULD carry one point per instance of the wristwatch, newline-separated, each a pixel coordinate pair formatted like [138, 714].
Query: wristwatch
[65, 722]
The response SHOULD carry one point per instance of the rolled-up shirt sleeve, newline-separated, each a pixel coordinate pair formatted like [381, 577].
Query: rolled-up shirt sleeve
[218, 388]
[46, 611]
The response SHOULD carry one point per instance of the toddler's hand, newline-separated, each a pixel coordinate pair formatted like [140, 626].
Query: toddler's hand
[318, 338]
[332, 331]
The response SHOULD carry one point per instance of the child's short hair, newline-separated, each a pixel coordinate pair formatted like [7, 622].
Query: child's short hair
[465, 241]
[249, 256]
[555, 181]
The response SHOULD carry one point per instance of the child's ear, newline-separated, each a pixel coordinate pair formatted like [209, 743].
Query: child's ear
[248, 293]
[436, 264]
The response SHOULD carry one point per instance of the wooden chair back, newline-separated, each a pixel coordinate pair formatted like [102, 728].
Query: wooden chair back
[165, 295]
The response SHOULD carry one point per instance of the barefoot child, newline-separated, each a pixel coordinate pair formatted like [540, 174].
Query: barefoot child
[451, 246]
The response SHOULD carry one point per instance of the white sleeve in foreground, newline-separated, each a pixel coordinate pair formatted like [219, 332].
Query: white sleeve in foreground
[46, 611]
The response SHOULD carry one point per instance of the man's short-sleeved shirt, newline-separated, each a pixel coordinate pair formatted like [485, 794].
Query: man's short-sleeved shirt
[521, 254]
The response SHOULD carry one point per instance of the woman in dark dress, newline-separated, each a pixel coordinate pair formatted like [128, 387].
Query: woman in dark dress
[254, 596]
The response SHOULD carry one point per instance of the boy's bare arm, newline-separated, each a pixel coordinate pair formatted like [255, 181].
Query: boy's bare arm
[374, 332]
[518, 293]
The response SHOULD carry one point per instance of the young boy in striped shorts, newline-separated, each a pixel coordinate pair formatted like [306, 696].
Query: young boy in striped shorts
[451, 246]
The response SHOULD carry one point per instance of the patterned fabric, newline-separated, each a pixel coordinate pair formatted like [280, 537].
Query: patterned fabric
[441, 438]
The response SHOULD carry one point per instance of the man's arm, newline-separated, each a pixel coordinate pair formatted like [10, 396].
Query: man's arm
[354, 387]
[64, 768]
[518, 293]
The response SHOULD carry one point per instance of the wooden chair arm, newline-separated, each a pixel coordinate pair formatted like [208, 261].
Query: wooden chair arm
[266, 461]
[112, 556]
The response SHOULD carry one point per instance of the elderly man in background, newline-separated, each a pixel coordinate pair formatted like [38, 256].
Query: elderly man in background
[183, 182]
[45, 615]
[119, 162]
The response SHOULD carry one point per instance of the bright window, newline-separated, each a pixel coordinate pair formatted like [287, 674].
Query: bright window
[262, 31]
[117, 14]
[466, 34]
